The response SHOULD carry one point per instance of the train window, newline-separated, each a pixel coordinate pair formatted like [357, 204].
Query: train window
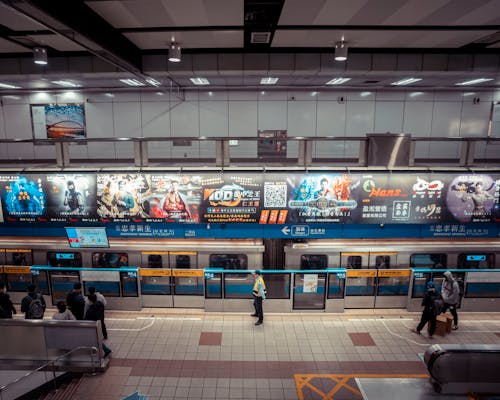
[354, 262]
[182, 261]
[19, 258]
[383, 262]
[476, 261]
[64, 259]
[109, 260]
[228, 261]
[155, 261]
[313, 261]
[437, 261]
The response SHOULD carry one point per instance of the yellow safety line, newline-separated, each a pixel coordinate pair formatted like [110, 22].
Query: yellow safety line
[304, 380]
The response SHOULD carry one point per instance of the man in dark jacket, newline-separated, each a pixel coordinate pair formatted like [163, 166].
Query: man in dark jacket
[33, 305]
[95, 312]
[6, 306]
[430, 311]
[75, 301]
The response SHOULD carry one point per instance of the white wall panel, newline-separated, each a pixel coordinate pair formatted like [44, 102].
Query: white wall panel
[124, 150]
[213, 118]
[18, 121]
[186, 152]
[160, 95]
[418, 118]
[185, 119]
[99, 119]
[331, 118]
[159, 149]
[244, 149]
[45, 152]
[446, 118]
[389, 116]
[475, 119]
[155, 119]
[391, 96]
[416, 95]
[20, 151]
[243, 118]
[243, 95]
[2, 125]
[127, 119]
[301, 118]
[359, 117]
[272, 115]
[42, 98]
[127, 97]
[272, 95]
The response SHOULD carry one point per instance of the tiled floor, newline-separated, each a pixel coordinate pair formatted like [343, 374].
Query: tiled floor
[188, 354]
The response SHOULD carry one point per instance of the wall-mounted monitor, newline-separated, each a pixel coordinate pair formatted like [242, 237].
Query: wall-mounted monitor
[58, 121]
[87, 237]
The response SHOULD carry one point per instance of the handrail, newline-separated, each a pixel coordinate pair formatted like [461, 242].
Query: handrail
[93, 351]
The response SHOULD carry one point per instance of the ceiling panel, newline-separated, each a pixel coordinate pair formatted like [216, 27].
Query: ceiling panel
[57, 42]
[414, 11]
[9, 47]
[15, 21]
[196, 39]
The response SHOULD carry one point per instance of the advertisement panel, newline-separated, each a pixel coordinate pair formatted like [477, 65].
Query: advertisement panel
[23, 197]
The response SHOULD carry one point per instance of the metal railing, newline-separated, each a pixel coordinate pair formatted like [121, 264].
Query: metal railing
[244, 152]
[93, 351]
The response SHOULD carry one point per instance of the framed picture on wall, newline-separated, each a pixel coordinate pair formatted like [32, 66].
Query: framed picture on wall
[58, 121]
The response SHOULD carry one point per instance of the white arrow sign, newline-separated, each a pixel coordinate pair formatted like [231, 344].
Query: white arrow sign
[286, 230]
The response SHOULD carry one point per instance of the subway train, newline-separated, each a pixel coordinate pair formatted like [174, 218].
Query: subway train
[244, 254]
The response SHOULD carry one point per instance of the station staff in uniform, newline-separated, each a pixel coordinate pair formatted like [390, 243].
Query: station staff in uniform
[259, 294]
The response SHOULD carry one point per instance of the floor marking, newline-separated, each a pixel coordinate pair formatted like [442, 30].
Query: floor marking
[134, 329]
[405, 338]
[303, 381]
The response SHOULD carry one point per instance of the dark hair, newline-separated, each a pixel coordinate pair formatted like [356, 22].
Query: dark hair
[257, 271]
[77, 285]
[2, 285]
[92, 298]
[31, 288]
[91, 289]
[61, 306]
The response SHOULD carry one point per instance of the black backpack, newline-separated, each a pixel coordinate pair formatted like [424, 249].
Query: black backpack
[36, 309]
[437, 304]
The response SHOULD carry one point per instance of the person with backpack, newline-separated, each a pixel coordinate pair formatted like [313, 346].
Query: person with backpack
[450, 291]
[6, 306]
[433, 306]
[100, 299]
[95, 312]
[33, 305]
[75, 301]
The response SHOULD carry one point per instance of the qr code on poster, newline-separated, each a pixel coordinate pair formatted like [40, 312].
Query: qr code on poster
[275, 196]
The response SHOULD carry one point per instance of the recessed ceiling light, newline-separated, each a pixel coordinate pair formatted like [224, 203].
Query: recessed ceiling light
[474, 81]
[406, 81]
[416, 94]
[365, 94]
[109, 95]
[200, 81]
[132, 82]
[337, 81]
[66, 84]
[269, 81]
[8, 86]
[153, 82]
[11, 97]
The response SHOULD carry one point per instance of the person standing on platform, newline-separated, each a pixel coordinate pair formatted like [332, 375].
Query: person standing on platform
[75, 301]
[451, 296]
[33, 305]
[101, 299]
[6, 306]
[433, 304]
[95, 312]
[259, 294]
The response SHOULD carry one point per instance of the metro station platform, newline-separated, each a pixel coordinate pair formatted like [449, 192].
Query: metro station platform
[188, 354]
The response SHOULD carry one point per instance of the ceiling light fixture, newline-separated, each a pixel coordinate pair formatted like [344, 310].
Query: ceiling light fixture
[200, 81]
[174, 52]
[269, 81]
[337, 81]
[153, 82]
[66, 84]
[341, 51]
[406, 81]
[474, 81]
[132, 82]
[7, 86]
[40, 55]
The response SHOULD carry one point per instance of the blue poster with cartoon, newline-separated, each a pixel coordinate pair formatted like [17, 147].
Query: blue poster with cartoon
[23, 198]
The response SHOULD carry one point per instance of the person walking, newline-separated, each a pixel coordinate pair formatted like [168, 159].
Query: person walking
[433, 305]
[75, 301]
[6, 306]
[33, 305]
[101, 299]
[450, 291]
[259, 294]
[95, 312]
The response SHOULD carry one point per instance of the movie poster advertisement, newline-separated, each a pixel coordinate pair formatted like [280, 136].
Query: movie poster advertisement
[232, 198]
[23, 197]
[473, 198]
[70, 197]
[325, 198]
[172, 198]
[120, 197]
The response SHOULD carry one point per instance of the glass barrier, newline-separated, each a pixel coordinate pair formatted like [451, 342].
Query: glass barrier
[157, 285]
[277, 285]
[129, 284]
[482, 290]
[238, 286]
[62, 283]
[108, 289]
[336, 285]
[41, 280]
[360, 286]
[190, 285]
[309, 291]
[393, 286]
[17, 278]
[213, 285]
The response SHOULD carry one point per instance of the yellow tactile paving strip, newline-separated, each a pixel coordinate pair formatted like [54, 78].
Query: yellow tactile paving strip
[341, 381]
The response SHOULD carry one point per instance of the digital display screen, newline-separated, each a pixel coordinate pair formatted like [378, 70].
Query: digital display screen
[87, 237]
[476, 257]
[65, 256]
